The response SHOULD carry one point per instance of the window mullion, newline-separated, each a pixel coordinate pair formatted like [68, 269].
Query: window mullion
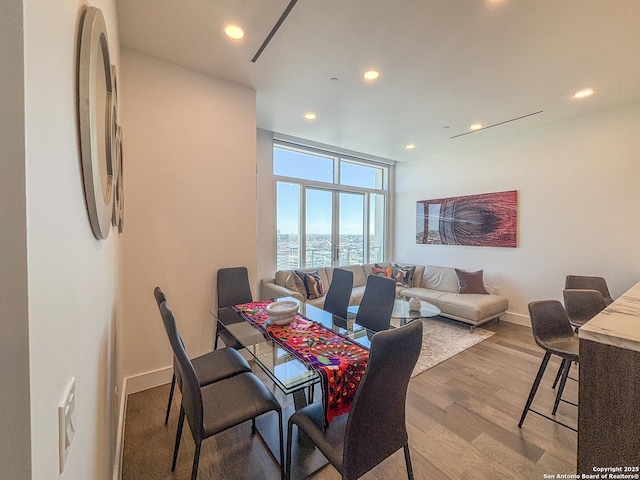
[302, 226]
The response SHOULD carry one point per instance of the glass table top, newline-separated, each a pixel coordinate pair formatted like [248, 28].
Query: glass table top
[289, 373]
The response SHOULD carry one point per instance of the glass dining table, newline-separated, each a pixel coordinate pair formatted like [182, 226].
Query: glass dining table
[291, 375]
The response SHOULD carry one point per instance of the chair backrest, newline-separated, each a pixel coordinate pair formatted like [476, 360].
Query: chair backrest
[582, 305]
[233, 287]
[376, 305]
[337, 299]
[191, 395]
[549, 321]
[160, 296]
[376, 425]
[582, 282]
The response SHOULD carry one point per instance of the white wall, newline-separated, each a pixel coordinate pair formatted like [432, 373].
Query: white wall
[577, 183]
[266, 209]
[190, 202]
[72, 276]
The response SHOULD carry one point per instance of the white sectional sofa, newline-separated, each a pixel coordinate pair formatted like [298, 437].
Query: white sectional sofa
[436, 285]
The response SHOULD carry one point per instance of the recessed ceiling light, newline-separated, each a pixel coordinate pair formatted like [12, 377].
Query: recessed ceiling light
[584, 93]
[310, 116]
[371, 75]
[410, 146]
[234, 31]
[475, 126]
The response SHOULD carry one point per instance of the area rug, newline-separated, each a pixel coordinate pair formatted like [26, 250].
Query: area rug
[442, 339]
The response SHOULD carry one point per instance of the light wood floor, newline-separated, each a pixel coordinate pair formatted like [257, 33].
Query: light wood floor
[462, 417]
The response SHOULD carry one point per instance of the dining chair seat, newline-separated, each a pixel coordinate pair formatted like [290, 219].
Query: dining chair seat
[227, 410]
[329, 440]
[218, 365]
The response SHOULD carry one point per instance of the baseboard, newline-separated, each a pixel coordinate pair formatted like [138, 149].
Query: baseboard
[131, 385]
[122, 412]
[516, 318]
[144, 381]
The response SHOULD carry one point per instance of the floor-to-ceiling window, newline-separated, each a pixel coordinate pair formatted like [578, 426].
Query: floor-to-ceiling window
[331, 209]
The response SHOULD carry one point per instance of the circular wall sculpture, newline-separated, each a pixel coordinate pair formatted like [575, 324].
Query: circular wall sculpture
[97, 107]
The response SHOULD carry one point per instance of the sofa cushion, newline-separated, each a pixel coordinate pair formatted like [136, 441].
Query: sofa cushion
[312, 283]
[426, 294]
[359, 277]
[440, 278]
[367, 268]
[382, 272]
[403, 275]
[281, 275]
[417, 276]
[295, 283]
[471, 282]
[472, 306]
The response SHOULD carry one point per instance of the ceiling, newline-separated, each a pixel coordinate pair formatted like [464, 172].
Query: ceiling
[445, 64]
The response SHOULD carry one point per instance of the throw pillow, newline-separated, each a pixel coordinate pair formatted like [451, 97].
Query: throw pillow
[403, 275]
[295, 283]
[471, 282]
[382, 272]
[312, 284]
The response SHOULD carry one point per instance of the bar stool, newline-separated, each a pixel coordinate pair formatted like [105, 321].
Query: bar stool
[582, 305]
[573, 282]
[554, 334]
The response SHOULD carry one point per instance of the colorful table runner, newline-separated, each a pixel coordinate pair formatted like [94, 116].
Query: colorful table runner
[339, 360]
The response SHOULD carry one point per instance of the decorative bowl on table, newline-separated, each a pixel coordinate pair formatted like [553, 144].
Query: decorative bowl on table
[282, 312]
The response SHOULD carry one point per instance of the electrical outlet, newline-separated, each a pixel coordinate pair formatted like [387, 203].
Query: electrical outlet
[66, 421]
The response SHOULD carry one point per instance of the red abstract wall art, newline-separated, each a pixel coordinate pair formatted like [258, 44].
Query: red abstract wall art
[487, 220]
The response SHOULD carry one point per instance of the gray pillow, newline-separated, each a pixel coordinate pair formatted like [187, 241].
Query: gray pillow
[471, 282]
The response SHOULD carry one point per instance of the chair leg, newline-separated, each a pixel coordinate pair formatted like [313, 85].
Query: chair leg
[282, 465]
[178, 437]
[534, 387]
[555, 382]
[407, 460]
[289, 435]
[173, 386]
[215, 343]
[196, 459]
[563, 381]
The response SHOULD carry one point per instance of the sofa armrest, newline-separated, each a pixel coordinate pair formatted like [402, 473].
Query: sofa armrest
[270, 289]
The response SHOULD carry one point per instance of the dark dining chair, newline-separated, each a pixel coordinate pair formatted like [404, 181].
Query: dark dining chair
[218, 406]
[337, 299]
[553, 333]
[583, 282]
[376, 305]
[210, 367]
[375, 426]
[582, 305]
[233, 289]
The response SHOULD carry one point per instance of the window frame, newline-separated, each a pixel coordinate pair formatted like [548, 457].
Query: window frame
[336, 188]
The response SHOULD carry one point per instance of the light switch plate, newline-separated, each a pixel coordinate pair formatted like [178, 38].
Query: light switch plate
[66, 421]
